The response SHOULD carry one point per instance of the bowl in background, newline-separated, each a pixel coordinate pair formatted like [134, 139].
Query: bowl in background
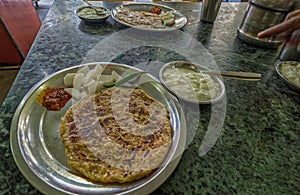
[89, 15]
[289, 72]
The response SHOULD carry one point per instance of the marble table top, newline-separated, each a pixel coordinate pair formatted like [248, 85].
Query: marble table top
[247, 144]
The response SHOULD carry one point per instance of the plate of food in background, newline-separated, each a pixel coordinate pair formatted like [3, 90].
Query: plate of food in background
[289, 72]
[149, 16]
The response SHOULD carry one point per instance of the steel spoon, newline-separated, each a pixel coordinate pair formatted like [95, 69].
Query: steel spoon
[250, 76]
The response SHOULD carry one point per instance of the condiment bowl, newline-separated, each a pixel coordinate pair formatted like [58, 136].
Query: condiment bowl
[286, 77]
[93, 17]
[216, 90]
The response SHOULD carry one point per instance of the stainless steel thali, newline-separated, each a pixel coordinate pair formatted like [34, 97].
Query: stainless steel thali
[39, 153]
[180, 19]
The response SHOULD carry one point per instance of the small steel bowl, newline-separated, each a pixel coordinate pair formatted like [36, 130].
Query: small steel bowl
[98, 19]
[196, 68]
[290, 84]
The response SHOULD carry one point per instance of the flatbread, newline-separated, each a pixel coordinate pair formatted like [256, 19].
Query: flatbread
[117, 135]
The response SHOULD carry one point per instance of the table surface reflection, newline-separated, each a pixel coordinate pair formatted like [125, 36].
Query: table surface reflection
[257, 147]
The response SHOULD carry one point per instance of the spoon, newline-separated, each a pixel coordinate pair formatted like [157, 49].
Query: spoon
[249, 76]
[127, 77]
[94, 8]
[124, 79]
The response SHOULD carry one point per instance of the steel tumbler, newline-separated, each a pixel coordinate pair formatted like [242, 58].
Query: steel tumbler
[210, 10]
[291, 48]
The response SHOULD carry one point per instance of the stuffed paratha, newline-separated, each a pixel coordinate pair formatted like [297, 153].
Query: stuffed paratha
[116, 135]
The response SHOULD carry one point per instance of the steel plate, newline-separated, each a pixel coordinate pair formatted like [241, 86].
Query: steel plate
[180, 19]
[40, 156]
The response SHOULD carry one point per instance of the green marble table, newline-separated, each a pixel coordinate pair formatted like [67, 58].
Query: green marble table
[257, 150]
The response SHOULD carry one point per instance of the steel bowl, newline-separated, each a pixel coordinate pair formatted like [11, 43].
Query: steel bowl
[197, 68]
[279, 5]
[257, 19]
[98, 19]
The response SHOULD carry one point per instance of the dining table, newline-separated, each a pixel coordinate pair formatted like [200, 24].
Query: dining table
[248, 143]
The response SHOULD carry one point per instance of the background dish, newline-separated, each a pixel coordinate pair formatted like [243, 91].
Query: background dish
[182, 64]
[278, 67]
[39, 153]
[93, 20]
[180, 19]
